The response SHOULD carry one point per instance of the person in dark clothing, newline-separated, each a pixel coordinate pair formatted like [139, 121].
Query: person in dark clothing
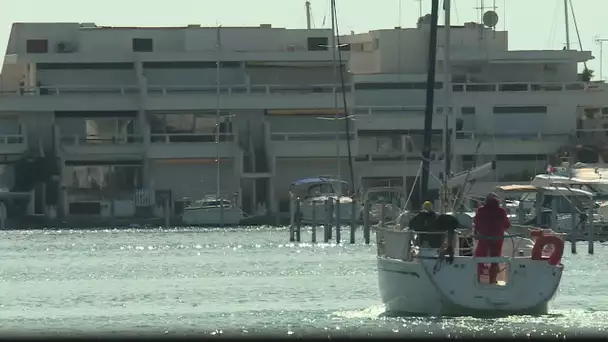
[449, 224]
[425, 221]
[491, 222]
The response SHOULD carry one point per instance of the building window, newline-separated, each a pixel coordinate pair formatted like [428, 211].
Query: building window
[143, 45]
[521, 110]
[37, 46]
[467, 110]
[318, 43]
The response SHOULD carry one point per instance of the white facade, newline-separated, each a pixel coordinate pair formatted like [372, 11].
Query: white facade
[135, 108]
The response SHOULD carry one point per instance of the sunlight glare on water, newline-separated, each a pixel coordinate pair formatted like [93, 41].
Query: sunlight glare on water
[244, 282]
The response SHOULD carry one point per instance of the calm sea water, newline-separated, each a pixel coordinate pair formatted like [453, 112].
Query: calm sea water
[245, 282]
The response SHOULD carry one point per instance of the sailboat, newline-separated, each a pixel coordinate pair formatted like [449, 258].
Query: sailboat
[415, 278]
[214, 210]
[314, 191]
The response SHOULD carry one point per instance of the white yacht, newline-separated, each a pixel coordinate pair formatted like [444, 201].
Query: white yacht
[212, 211]
[314, 192]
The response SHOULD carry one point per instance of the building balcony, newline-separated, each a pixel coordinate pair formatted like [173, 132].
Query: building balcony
[93, 147]
[592, 136]
[308, 144]
[387, 118]
[184, 146]
[509, 143]
[127, 97]
[524, 93]
[13, 144]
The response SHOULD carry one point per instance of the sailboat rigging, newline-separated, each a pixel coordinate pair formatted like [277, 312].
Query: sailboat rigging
[430, 99]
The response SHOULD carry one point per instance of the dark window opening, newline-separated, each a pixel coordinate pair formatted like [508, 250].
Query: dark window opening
[344, 47]
[521, 157]
[521, 110]
[467, 110]
[85, 66]
[318, 43]
[190, 65]
[37, 46]
[143, 45]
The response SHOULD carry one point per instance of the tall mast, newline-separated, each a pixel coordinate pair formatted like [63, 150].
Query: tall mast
[217, 111]
[567, 22]
[447, 92]
[308, 21]
[334, 48]
[430, 99]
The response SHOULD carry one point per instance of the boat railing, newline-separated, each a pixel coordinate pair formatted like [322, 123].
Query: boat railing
[154, 90]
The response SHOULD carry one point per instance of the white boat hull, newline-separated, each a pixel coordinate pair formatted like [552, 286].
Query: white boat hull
[412, 288]
[212, 216]
[410, 285]
[307, 207]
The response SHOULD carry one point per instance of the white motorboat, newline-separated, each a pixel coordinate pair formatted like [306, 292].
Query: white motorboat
[212, 211]
[314, 192]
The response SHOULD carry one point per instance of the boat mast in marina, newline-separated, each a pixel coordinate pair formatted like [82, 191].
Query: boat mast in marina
[567, 22]
[430, 98]
[217, 124]
[447, 112]
[334, 49]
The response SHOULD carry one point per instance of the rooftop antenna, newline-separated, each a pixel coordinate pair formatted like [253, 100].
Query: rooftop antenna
[600, 42]
[308, 22]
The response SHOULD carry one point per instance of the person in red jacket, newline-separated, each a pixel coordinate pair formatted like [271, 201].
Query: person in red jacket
[491, 222]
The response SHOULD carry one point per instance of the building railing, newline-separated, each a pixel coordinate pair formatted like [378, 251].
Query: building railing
[75, 140]
[525, 87]
[12, 139]
[592, 130]
[309, 136]
[268, 89]
[471, 135]
[190, 138]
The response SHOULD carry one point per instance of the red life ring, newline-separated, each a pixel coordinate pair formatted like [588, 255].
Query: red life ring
[543, 241]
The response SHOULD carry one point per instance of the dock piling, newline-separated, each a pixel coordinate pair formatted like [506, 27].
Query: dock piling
[338, 227]
[292, 218]
[591, 234]
[314, 222]
[327, 225]
[298, 220]
[167, 212]
[366, 233]
[353, 221]
[573, 233]
[3, 216]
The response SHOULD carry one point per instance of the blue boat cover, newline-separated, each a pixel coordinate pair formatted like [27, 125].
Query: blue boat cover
[318, 180]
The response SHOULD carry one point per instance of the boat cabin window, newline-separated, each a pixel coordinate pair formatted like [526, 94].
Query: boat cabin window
[143, 45]
[318, 189]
